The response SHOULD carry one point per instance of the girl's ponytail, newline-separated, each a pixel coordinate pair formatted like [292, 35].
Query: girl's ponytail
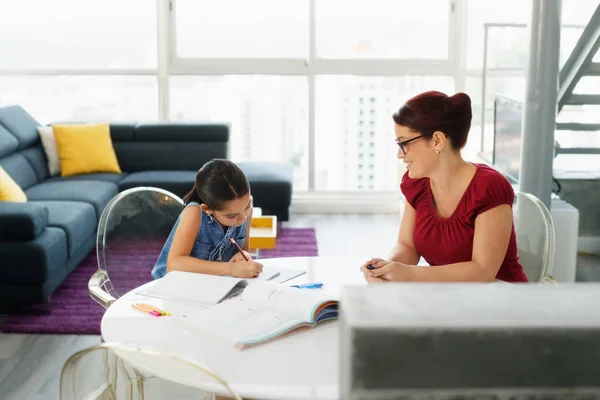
[192, 195]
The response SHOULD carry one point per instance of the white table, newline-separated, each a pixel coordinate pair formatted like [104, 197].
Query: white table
[300, 366]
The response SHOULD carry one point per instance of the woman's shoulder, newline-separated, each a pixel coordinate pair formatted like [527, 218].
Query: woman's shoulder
[413, 189]
[488, 178]
[490, 188]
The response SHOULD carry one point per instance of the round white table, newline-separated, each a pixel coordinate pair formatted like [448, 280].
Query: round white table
[303, 365]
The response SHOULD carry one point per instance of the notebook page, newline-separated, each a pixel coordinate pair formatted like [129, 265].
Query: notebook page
[194, 288]
[242, 321]
[296, 303]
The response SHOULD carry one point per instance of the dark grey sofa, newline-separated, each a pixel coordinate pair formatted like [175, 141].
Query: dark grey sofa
[43, 240]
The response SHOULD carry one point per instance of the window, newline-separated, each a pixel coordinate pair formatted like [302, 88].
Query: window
[480, 12]
[73, 34]
[382, 29]
[508, 47]
[513, 87]
[330, 128]
[268, 115]
[83, 98]
[242, 29]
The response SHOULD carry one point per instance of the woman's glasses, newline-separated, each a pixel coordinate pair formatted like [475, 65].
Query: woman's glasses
[403, 144]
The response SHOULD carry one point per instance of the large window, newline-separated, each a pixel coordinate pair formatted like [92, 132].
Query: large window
[310, 82]
[355, 131]
[268, 115]
[242, 29]
[83, 98]
[403, 29]
[75, 34]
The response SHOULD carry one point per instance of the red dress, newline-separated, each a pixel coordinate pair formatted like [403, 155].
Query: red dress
[442, 241]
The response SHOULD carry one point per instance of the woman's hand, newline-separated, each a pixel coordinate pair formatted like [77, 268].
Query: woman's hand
[246, 269]
[367, 273]
[239, 257]
[385, 270]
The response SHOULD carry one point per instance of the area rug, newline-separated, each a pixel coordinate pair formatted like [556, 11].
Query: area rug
[72, 311]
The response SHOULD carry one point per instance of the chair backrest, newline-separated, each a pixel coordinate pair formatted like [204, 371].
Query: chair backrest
[112, 371]
[133, 228]
[534, 229]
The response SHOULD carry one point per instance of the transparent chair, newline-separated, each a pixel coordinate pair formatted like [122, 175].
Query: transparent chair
[131, 233]
[99, 373]
[534, 229]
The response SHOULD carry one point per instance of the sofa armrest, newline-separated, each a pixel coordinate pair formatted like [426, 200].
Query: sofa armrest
[22, 221]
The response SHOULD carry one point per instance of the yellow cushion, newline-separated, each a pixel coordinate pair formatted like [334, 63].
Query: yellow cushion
[9, 190]
[85, 149]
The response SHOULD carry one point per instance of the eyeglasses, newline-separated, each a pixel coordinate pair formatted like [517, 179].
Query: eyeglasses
[403, 144]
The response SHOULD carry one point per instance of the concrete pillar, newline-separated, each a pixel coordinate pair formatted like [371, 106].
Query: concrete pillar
[540, 109]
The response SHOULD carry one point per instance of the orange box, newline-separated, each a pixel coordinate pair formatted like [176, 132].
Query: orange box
[263, 232]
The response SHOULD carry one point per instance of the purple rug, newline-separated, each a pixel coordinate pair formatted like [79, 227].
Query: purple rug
[72, 311]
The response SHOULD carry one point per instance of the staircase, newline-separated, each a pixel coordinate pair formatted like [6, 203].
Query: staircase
[578, 93]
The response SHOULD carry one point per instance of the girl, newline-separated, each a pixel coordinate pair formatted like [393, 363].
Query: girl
[457, 215]
[218, 208]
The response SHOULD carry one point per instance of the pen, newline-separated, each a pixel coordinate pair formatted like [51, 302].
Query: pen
[232, 240]
[309, 286]
[370, 267]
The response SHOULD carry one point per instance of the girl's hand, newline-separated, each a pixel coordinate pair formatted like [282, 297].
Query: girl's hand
[246, 269]
[239, 257]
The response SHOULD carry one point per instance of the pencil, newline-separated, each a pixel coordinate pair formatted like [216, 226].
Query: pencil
[232, 240]
[150, 307]
[146, 310]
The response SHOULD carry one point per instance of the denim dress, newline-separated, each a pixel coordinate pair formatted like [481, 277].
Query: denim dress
[211, 244]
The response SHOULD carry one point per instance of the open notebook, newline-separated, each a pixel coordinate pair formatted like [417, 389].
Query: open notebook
[264, 312]
[207, 290]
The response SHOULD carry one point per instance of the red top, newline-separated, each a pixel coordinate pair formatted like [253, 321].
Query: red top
[442, 241]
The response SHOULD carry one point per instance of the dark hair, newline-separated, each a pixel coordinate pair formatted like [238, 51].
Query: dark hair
[216, 182]
[434, 111]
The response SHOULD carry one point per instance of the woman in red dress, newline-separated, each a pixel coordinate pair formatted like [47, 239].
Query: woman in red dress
[457, 215]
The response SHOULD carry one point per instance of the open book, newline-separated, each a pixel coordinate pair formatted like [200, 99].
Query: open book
[264, 312]
[207, 290]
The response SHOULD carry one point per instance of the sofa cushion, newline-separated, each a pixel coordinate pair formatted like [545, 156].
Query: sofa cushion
[9, 190]
[35, 261]
[181, 132]
[85, 149]
[270, 182]
[50, 149]
[20, 169]
[140, 156]
[8, 142]
[96, 193]
[176, 182]
[22, 125]
[37, 159]
[77, 219]
[121, 132]
[22, 221]
[100, 176]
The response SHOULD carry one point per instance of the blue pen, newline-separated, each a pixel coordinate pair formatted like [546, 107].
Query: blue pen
[309, 286]
[370, 267]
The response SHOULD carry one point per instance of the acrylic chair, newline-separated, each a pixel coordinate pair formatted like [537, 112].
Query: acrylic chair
[99, 373]
[534, 229]
[137, 218]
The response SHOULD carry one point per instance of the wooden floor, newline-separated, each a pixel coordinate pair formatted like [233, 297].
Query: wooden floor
[30, 365]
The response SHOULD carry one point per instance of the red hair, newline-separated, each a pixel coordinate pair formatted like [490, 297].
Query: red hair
[434, 111]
